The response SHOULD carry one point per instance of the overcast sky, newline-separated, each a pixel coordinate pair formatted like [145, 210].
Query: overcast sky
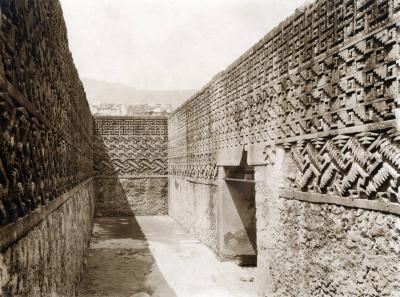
[166, 44]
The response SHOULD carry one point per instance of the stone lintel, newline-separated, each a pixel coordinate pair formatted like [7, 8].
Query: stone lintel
[230, 156]
[255, 154]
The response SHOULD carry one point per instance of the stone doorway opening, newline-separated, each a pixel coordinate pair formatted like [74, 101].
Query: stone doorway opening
[237, 232]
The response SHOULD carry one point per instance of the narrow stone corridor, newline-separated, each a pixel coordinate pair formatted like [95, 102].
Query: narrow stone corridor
[288, 157]
[154, 256]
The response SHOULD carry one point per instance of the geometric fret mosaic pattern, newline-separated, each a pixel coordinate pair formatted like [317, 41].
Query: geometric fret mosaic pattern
[130, 146]
[331, 68]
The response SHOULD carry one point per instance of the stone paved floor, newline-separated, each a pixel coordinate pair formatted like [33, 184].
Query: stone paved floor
[153, 256]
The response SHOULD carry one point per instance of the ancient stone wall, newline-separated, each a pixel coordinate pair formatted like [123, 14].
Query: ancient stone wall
[46, 125]
[193, 204]
[48, 259]
[130, 163]
[46, 130]
[320, 92]
[309, 247]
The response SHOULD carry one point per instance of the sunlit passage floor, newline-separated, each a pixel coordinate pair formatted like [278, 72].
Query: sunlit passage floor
[154, 256]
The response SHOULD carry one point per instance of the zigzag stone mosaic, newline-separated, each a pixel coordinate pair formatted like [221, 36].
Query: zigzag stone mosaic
[130, 146]
[360, 165]
[327, 77]
[130, 165]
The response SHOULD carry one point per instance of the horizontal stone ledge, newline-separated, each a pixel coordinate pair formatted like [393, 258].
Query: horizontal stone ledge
[256, 151]
[196, 180]
[377, 205]
[129, 176]
[14, 231]
[348, 130]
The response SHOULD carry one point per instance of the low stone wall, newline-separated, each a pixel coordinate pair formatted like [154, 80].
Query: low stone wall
[48, 259]
[130, 164]
[193, 205]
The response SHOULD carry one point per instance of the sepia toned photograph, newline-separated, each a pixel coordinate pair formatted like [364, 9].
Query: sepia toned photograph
[210, 148]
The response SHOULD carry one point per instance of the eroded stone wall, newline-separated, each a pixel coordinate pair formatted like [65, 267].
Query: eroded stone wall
[320, 249]
[330, 250]
[130, 165]
[316, 102]
[48, 261]
[46, 154]
[329, 72]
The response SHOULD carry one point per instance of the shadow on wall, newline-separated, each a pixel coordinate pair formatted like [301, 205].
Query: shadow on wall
[243, 197]
[120, 262]
[111, 197]
[129, 169]
[238, 214]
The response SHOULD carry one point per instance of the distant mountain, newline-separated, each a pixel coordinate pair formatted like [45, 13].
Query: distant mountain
[108, 92]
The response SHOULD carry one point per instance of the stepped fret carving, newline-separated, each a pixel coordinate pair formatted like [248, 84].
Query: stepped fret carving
[312, 75]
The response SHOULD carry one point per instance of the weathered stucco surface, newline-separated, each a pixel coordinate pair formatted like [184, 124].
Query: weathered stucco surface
[193, 205]
[309, 249]
[329, 250]
[48, 261]
[131, 196]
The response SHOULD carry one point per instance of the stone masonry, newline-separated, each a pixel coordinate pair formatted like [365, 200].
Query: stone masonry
[46, 125]
[288, 160]
[313, 108]
[130, 164]
[46, 128]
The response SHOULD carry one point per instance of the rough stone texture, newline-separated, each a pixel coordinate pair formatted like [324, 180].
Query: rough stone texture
[130, 146]
[329, 69]
[316, 102]
[45, 123]
[48, 261]
[307, 249]
[131, 196]
[330, 250]
[46, 150]
[193, 205]
[130, 164]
